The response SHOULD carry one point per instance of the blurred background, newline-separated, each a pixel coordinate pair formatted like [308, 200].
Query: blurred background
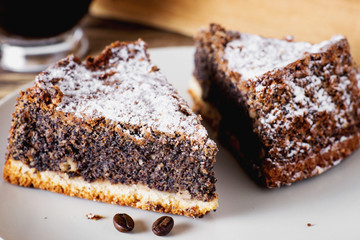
[174, 23]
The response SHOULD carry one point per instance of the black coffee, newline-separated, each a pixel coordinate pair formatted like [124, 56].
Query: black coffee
[40, 18]
[123, 222]
[163, 225]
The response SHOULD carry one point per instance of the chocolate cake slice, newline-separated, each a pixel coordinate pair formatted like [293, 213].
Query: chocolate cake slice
[112, 129]
[287, 110]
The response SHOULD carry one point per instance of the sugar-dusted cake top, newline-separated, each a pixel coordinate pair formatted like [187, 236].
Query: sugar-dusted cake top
[253, 55]
[127, 88]
[303, 108]
[301, 97]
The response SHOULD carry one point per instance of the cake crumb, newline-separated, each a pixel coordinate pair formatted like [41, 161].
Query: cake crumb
[93, 216]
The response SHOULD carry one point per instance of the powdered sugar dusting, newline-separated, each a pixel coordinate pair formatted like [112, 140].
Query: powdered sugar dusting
[133, 92]
[252, 55]
[309, 100]
[292, 108]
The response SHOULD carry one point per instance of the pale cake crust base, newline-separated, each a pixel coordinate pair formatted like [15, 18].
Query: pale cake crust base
[138, 196]
[206, 109]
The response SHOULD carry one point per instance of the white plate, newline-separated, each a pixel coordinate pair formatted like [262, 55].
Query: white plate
[330, 202]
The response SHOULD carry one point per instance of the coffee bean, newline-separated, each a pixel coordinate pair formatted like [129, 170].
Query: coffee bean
[123, 222]
[163, 226]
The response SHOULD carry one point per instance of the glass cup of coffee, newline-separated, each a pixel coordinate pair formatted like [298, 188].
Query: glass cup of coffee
[34, 34]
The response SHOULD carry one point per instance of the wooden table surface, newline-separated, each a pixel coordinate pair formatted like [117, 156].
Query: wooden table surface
[102, 32]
